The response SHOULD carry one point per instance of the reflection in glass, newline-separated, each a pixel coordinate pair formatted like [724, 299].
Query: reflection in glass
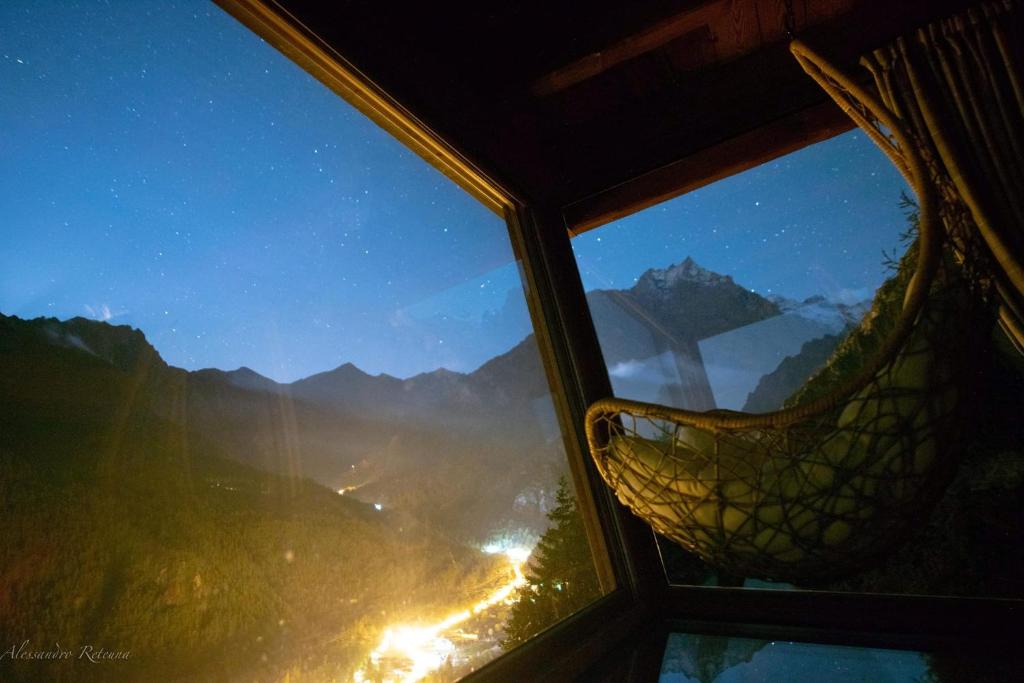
[695, 658]
[697, 302]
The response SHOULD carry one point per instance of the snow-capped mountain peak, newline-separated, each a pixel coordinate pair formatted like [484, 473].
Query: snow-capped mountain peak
[687, 271]
[835, 315]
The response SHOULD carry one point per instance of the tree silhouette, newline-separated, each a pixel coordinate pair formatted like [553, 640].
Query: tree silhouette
[560, 576]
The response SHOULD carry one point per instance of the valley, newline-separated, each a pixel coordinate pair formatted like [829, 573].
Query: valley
[287, 529]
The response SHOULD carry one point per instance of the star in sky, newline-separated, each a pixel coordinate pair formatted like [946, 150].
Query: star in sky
[165, 168]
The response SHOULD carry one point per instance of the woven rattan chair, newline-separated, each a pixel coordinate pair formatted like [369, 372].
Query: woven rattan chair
[819, 488]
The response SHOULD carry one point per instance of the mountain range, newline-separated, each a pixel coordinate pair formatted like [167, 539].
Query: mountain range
[148, 465]
[139, 515]
[470, 453]
[695, 339]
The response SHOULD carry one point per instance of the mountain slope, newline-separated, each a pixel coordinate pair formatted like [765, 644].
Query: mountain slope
[458, 452]
[692, 338]
[695, 303]
[126, 529]
[672, 307]
[469, 453]
[774, 388]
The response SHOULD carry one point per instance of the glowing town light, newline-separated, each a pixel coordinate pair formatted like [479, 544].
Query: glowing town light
[419, 650]
[518, 555]
[503, 541]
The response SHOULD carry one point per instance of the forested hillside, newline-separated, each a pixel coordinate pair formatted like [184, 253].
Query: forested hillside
[130, 531]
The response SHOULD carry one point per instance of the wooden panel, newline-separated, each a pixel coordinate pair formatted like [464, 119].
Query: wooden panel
[611, 137]
[873, 620]
[740, 30]
[628, 137]
[735, 27]
[714, 163]
[628, 48]
[465, 74]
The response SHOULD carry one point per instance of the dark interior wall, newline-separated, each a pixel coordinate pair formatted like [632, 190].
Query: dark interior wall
[480, 74]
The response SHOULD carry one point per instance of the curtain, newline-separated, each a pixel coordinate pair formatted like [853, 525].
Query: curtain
[956, 84]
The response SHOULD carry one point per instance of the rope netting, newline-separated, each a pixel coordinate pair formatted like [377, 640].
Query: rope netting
[818, 496]
[852, 464]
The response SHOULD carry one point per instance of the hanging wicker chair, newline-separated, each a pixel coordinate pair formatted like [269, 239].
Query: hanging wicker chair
[817, 489]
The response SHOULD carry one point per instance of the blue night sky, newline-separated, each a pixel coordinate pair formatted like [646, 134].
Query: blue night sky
[812, 222]
[162, 167]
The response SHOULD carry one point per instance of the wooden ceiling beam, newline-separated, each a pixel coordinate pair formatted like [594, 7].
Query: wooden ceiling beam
[727, 158]
[628, 48]
[734, 27]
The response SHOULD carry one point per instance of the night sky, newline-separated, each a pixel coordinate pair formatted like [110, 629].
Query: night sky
[163, 167]
[813, 222]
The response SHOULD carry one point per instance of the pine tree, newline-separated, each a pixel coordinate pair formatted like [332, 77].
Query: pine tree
[560, 576]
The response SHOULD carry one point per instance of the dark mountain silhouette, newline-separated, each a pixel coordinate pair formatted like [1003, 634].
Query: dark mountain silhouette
[348, 386]
[692, 338]
[243, 377]
[697, 303]
[774, 388]
[459, 451]
[130, 523]
[467, 453]
[96, 427]
[649, 334]
[672, 308]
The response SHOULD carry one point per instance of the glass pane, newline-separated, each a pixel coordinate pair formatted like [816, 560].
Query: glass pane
[270, 403]
[739, 296]
[698, 300]
[694, 658]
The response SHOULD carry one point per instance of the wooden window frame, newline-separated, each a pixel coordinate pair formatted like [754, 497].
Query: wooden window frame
[892, 621]
[629, 624]
[624, 549]
[979, 626]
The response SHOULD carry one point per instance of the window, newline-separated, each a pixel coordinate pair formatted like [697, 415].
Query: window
[737, 295]
[785, 254]
[272, 405]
